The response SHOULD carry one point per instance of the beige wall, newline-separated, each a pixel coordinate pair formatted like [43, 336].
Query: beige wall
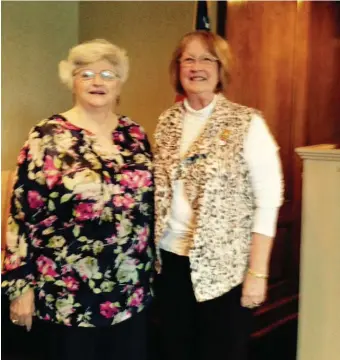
[149, 31]
[35, 37]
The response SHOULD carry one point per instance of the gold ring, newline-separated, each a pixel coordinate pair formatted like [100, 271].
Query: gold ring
[15, 321]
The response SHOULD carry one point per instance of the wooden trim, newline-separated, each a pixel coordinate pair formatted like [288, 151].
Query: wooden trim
[322, 152]
[299, 126]
[274, 325]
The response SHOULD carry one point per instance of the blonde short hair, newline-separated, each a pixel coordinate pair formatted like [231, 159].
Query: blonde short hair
[92, 51]
[216, 45]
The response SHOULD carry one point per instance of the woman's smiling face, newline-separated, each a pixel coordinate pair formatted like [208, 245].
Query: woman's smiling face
[96, 84]
[199, 69]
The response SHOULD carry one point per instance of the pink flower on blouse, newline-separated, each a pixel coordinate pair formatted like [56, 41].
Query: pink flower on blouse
[136, 298]
[118, 137]
[125, 121]
[46, 266]
[108, 310]
[107, 178]
[21, 156]
[67, 125]
[11, 262]
[142, 239]
[36, 242]
[111, 240]
[66, 269]
[136, 132]
[71, 283]
[118, 201]
[85, 212]
[128, 201]
[49, 221]
[51, 172]
[35, 200]
[143, 233]
[136, 179]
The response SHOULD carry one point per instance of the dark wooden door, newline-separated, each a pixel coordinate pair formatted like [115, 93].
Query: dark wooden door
[287, 64]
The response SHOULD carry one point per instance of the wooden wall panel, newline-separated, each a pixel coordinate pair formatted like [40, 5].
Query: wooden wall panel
[299, 120]
[261, 36]
[323, 113]
[287, 64]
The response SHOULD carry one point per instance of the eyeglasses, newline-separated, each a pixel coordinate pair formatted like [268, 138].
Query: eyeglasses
[106, 75]
[203, 60]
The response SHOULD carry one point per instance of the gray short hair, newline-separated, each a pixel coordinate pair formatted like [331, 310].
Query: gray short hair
[92, 51]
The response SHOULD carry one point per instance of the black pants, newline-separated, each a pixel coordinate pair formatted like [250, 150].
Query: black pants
[214, 329]
[126, 340]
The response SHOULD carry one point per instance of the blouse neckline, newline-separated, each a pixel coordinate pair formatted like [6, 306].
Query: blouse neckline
[72, 126]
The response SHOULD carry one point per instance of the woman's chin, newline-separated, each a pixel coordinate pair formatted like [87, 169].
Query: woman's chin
[199, 91]
[98, 104]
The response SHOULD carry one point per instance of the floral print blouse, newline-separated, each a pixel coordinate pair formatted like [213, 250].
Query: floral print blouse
[81, 224]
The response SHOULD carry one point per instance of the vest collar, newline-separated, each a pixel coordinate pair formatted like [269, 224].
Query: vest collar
[208, 135]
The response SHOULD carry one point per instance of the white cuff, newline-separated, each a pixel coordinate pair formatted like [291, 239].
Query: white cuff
[265, 221]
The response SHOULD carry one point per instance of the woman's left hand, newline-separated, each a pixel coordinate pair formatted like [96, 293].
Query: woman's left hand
[22, 309]
[254, 291]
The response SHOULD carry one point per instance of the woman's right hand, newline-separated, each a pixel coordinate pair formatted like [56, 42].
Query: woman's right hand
[22, 309]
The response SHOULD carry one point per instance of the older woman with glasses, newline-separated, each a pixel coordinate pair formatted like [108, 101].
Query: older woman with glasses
[79, 253]
[218, 191]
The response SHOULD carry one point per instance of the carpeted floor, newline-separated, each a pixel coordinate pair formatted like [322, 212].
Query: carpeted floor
[276, 324]
[274, 336]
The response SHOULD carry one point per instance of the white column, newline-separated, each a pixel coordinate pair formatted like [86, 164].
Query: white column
[319, 315]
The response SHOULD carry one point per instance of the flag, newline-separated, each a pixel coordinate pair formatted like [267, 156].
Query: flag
[202, 23]
[202, 16]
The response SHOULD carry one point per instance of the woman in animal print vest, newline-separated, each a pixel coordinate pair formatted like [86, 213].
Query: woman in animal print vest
[218, 192]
